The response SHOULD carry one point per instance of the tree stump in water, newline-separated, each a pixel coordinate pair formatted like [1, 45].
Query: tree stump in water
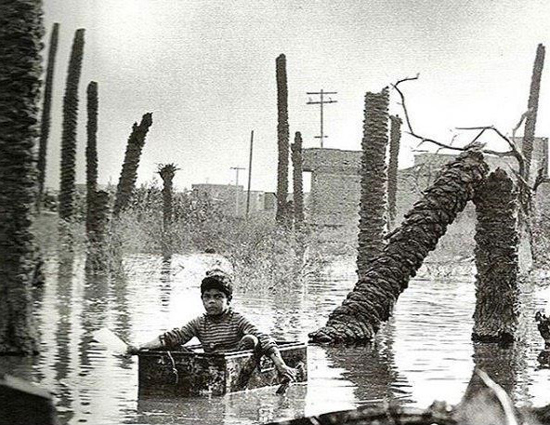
[496, 256]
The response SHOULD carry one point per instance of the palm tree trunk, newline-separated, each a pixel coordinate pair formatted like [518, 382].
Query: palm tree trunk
[374, 295]
[298, 196]
[128, 175]
[46, 114]
[496, 253]
[533, 106]
[91, 152]
[373, 209]
[282, 141]
[21, 31]
[68, 136]
[395, 140]
[97, 259]
[167, 173]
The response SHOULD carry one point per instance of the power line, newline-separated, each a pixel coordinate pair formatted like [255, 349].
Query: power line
[237, 169]
[321, 102]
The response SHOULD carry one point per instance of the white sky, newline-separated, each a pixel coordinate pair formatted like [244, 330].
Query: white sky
[206, 69]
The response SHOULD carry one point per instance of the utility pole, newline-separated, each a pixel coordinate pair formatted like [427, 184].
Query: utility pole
[237, 169]
[321, 102]
[249, 174]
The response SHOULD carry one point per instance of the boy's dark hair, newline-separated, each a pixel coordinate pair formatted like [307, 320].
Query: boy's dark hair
[217, 279]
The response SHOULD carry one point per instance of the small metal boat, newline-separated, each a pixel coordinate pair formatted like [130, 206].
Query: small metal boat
[189, 372]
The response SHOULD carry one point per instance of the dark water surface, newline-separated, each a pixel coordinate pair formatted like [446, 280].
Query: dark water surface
[423, 353]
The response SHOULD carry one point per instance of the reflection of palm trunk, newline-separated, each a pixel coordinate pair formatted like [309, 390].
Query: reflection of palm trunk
[497, 239]
[370, 368]
[372, 299]
[372, 213]
[63, 331]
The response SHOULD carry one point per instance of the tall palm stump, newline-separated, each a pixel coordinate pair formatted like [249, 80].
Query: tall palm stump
[496, 257]
[21, 31]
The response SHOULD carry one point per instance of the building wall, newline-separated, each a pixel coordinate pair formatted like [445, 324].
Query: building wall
[335, 181]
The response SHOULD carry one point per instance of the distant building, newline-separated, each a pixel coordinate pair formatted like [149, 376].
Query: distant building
[230, 197]
[335, 180]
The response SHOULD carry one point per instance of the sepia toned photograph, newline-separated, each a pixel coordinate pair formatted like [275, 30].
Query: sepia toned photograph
[293, 212]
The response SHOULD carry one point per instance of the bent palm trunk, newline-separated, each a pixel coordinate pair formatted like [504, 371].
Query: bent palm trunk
[372, 300]
[21, 65]
[128, 175]
[496, 256]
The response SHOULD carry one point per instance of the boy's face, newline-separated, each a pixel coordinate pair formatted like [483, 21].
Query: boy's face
[215, 302]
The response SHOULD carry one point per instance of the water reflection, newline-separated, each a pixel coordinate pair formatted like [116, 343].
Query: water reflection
[423, 353]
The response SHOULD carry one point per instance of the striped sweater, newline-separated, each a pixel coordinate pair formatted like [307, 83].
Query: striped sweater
[217, 333]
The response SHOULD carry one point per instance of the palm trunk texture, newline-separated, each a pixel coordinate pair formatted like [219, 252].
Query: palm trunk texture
[21, 31]
[373, 209]
[68, 136]
[297, 181]
[395, 140]
[91, 152]
[128, 175]
[496, 256]
[46, 114]
[282, 140]
[372, 300]
[167, 173]
[533, 106]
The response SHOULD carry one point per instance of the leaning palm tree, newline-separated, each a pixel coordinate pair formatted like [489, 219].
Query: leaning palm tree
[395, 139]
[297, 188]
[68, 136]
[21, 31]
[46, 114]
[91, 151]
[282, 140]
[372, 300]
[373, 209]
[128, 175]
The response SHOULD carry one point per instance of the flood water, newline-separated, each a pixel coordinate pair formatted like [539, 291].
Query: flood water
[422, 354]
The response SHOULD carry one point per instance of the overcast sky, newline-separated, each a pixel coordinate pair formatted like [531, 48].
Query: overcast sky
[206, 70]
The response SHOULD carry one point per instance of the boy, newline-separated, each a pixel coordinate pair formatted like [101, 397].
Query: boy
[220, 329]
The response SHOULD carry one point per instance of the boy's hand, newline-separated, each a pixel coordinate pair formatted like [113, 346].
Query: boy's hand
[287, 373]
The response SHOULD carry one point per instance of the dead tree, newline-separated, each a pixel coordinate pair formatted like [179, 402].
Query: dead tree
[128, 175]
[496, 258]
[68, 137]
[372, 300]
[21, 30]
[46, 114]
[395, 140]
[532, 107]
[297, 187]
[282, 141]
[373, 207]
[91, 150]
